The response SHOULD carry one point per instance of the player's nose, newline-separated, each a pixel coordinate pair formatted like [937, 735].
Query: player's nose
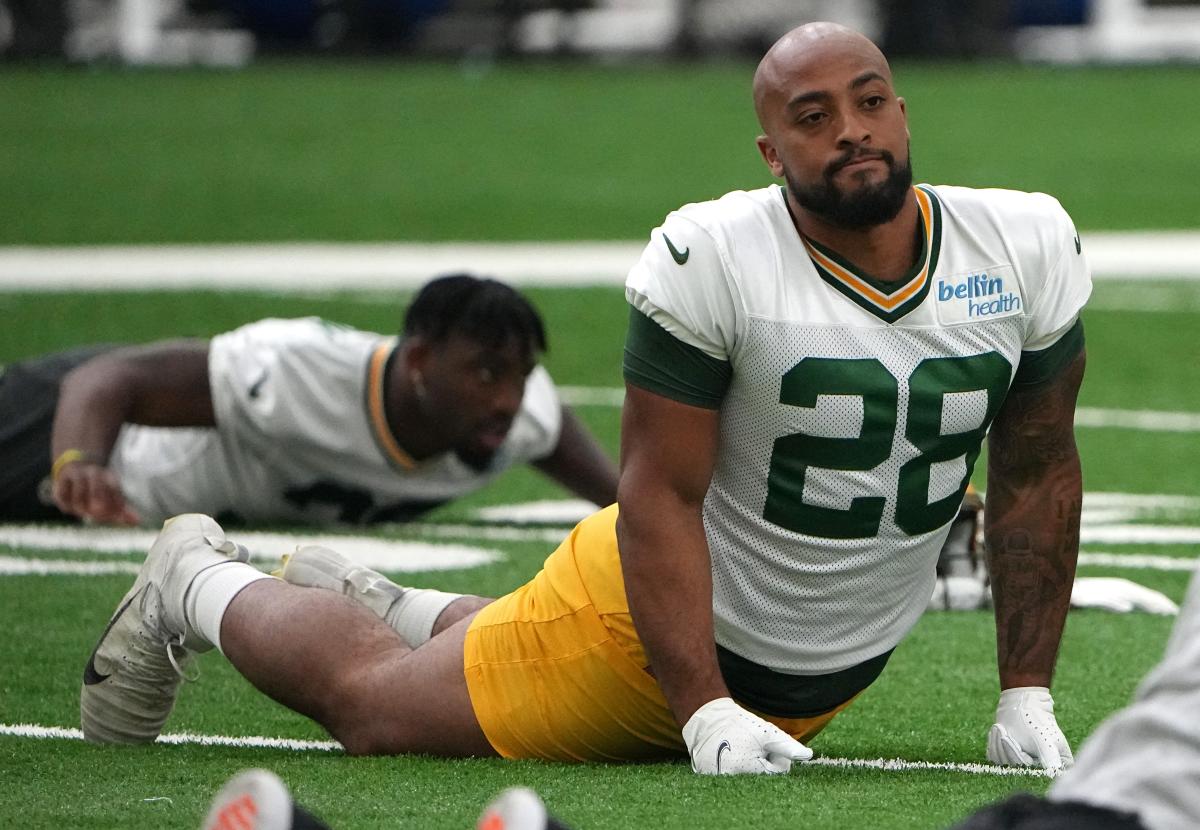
[507, 400]
[854, 129]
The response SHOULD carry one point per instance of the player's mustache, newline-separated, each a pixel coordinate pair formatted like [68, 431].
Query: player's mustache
[858, 154]
[496, 423]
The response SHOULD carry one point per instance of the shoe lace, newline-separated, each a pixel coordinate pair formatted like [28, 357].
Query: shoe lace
[171, 646]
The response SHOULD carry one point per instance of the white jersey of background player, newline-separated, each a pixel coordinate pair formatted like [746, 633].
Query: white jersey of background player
[851, 410]
[303, 438]
[308, 421]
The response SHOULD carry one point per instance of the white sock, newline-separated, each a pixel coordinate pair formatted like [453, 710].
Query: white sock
[209, 595]
[412, 616]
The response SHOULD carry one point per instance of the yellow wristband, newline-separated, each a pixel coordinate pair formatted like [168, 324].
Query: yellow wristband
[67, 457]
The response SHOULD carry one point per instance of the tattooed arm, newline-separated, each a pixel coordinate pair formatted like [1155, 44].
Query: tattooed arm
[1034, 497]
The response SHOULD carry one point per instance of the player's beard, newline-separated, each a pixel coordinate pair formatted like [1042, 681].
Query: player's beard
[865, 207]
[476, 454]
[477, 459]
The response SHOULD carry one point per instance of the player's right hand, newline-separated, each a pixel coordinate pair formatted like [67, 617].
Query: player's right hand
[92, 492]
[724, 739]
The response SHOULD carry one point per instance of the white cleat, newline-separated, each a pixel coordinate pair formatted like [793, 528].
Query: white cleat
[133, 674]
[314, 566]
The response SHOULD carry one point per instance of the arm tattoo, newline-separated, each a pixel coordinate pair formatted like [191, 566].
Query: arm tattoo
[1033, 569]
[1034, 500]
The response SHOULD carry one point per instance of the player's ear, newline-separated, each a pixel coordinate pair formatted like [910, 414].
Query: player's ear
[413, 367]
[415, 355]
[770, 155]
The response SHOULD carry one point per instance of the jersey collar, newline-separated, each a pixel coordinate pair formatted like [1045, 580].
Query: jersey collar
[888, 300]
[376, 413]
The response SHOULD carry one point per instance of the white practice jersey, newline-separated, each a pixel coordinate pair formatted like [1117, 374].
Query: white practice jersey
[853, 409]
[301, 435]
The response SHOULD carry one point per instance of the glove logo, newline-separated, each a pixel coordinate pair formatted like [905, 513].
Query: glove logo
[723, 747]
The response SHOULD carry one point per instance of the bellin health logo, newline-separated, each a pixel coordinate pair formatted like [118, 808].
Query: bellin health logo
[985, 295]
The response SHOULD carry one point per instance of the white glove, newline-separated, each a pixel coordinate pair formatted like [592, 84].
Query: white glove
[1025, 733]
[725, 739]
[1119, 595]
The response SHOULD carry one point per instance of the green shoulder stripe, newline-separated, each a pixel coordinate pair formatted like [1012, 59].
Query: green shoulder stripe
[1038, 367]
[657, 361]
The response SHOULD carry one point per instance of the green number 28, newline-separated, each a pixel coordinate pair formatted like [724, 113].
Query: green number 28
[869, 379]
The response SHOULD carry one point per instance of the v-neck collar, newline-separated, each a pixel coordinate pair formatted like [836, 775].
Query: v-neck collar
[888, 300]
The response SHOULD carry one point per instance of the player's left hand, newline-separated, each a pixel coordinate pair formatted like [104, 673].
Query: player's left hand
[92, 492]
[1025, 733]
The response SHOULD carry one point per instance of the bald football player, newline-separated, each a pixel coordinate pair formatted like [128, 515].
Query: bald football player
[811, 369]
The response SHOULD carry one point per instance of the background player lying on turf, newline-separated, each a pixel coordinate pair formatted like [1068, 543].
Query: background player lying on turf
[811, 370]
[296, 420]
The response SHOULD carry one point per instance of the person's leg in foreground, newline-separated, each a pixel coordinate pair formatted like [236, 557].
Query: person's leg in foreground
[315, 652]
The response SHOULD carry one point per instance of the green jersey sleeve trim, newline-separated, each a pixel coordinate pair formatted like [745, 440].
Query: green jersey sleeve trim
[659, 362]
[1038, 367]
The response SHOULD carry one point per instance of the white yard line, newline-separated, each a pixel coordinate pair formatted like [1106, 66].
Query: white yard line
[1142, 419]
[1141, 561]
[1108, 518]
[29, 730]
[900, 765]
[22, 566]
[308, 266]
[1148, 420]
[265, 548]
[26, 730]
[312, 266]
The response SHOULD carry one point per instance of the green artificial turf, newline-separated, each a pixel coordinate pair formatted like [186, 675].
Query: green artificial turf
[382, 151]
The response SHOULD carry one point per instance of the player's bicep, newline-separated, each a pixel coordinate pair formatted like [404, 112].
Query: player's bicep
[668, 449]
[167, 383]
[1035, 427]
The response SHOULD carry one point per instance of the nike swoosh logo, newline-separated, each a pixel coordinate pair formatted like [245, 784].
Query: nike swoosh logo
[90, 676]
[680, 257]
[257, 385]
[724, 747]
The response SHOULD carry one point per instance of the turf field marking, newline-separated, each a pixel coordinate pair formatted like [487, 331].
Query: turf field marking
[1104, 506]
[17, 566]
[592, 395]
[28, 730]
[1143, 561]
[1131, 534]
[1143, 419]
[1147, 420]
[391, 266]
[562, 512]
[550, 535]
[1108, 518]
[900, 765]
[383, 554]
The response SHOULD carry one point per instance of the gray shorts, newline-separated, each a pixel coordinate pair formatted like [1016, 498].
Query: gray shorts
[28, 397]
